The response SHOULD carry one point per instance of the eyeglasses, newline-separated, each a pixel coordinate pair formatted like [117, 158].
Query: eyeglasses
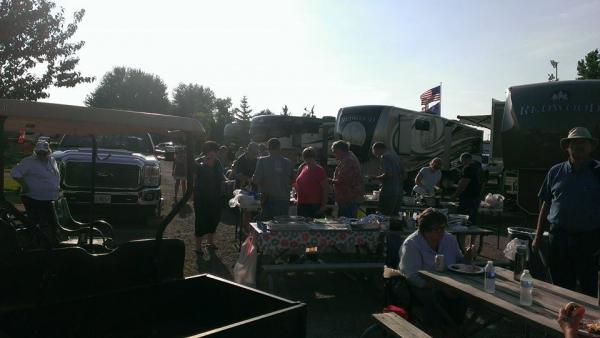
[438, 229]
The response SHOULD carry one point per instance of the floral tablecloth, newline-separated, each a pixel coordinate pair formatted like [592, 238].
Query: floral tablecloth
[272, 242]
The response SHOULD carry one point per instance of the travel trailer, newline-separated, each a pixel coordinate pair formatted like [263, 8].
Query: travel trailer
[295, 134]
[535, 118]
[415, 136]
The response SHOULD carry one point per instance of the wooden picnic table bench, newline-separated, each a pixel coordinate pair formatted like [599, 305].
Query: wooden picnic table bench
[395, 326]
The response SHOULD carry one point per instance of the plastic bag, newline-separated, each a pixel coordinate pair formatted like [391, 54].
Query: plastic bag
[244, 271]
[511, 248]
[494, 201]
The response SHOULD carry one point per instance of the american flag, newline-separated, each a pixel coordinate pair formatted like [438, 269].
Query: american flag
[433, 94]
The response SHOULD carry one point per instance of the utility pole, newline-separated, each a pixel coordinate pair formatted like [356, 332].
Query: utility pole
[553, 77]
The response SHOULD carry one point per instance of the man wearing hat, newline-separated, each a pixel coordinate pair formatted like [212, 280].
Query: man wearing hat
[570, 209]
[39, 178]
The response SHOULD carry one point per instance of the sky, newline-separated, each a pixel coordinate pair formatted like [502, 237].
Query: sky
[333, 54]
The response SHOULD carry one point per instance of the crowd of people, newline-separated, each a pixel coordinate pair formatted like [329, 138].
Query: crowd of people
[569, 197]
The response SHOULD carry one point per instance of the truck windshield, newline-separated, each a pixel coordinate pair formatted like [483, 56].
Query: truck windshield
[137, 144]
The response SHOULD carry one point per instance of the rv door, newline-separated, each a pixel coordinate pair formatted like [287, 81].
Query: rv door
[402, 136]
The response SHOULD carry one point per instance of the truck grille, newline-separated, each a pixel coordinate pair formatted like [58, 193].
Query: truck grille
[108, 175]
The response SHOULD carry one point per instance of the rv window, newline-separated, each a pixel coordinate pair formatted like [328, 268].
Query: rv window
[422, 125]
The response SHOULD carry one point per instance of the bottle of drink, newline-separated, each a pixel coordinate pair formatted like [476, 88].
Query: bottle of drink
[489, 282]
[526, 289]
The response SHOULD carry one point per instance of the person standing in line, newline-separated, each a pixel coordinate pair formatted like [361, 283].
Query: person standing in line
[428, 178]
[223, 156]
[244, 166]
[180, 170]
[390, 195]
[39, 178]
[207, 196]
[570, 210]
[311, 186]
[262, 150]
[273, 177]
[468, 191]
[347, 180]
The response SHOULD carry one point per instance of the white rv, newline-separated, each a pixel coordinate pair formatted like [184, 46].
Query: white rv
[415, 136]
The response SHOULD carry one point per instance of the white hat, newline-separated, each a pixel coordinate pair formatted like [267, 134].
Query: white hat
[578, 133]
[42, 146]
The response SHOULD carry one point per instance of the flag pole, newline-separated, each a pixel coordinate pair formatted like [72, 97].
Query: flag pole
[440, 98]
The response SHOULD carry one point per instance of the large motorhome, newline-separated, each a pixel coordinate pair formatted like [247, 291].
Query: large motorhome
[415, 136]
[296, 133]
[535, 118]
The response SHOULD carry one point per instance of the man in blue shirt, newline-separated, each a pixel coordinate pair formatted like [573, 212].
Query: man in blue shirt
[570, 197]
[390, 196]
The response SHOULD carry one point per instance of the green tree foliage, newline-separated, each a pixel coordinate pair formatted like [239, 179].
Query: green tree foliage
[589, 67]
[223, 115]
[264, 112]
[130, 88]
[285, 111]
[243, 113]
[309, 113]
[189, 99]
[36, 50]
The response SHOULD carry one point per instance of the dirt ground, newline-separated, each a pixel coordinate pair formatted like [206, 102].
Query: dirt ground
[339, 304]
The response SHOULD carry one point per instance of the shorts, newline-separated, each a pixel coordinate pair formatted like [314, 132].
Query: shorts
[207, 218]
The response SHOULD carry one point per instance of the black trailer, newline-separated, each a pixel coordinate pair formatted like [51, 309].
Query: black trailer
[136, 289]
[536, 117]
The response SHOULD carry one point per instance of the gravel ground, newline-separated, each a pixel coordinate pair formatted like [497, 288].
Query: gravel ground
[339, 305]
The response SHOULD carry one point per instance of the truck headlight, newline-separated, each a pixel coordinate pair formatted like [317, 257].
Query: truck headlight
[151, 175]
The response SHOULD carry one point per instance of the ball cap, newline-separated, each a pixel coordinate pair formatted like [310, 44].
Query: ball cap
[578, 133]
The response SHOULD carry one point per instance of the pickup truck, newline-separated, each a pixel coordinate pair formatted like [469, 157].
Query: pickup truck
[127, 173]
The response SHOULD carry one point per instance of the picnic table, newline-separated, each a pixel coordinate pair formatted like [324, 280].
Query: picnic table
[338, 248]
[547, 299]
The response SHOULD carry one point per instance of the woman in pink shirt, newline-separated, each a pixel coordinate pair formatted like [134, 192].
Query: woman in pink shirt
[311, 186]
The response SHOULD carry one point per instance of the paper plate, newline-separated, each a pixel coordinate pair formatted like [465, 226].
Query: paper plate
[467, 269]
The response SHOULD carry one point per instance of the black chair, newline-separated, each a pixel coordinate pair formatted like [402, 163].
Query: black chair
[68, 227]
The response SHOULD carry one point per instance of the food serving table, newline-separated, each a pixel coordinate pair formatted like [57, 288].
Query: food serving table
[316, 247]
[547, 299]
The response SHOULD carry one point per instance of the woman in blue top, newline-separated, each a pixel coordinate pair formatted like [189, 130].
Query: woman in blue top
[418, 253]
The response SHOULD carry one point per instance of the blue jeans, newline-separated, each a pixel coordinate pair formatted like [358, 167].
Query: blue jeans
[275, 208]
[469, 206]
[347, 210]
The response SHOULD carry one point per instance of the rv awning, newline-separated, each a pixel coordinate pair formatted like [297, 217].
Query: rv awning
[483, 121]
[50, 118]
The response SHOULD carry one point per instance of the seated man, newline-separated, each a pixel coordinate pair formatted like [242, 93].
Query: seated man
[418, 253]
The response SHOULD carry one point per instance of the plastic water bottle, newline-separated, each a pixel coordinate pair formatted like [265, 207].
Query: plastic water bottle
[489, 283]
[526, 289]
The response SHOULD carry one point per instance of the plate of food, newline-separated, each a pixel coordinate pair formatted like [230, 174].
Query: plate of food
[466, 269]
[589, 328]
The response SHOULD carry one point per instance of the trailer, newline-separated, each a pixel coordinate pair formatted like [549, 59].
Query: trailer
[296, 133]
[416, 137]
[535, 118]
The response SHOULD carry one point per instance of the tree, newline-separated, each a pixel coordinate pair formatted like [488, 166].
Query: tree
[130, 88]
[243, 113]
[309, 113]
[264, 112]
[223, 116]
[192, 98]
[284, 111]
[36, 50]
[553, 77]
[589, 67]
